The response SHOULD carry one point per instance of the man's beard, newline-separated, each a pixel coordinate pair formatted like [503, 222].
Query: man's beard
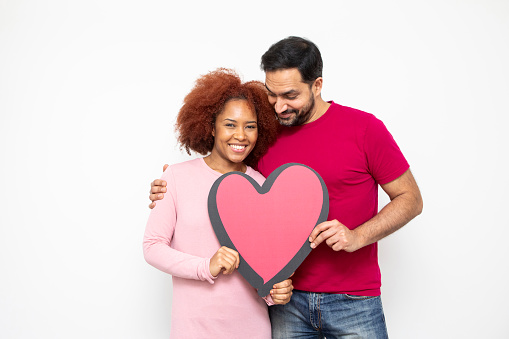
[300, 117]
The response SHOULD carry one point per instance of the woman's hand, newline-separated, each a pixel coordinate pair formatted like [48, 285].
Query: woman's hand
[226, 260]
[281, 293]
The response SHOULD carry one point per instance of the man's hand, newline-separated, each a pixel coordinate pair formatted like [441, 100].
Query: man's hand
[226, 260]
[157, 190]
[406, 203]
[336, 235]
[282, 292]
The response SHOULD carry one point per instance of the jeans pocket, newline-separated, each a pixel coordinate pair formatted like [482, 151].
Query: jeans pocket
[360, 297]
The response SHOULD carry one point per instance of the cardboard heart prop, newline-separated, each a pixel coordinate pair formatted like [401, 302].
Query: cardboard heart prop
[268, 225]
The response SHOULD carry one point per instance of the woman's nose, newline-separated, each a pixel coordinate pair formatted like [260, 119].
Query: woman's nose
[239, 134]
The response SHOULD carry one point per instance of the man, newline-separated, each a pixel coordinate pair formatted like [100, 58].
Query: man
[337, 288]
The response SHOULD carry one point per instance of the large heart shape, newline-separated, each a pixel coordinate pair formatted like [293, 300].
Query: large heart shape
[268, 225]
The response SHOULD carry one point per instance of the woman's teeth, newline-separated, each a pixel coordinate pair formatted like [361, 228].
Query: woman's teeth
[237, 147]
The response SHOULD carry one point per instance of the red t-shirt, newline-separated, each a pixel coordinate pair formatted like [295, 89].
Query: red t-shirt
[353, 152]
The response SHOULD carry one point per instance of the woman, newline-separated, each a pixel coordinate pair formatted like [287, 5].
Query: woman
[232, 124]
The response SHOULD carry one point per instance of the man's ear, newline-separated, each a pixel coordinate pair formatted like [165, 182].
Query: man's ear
[317, 86]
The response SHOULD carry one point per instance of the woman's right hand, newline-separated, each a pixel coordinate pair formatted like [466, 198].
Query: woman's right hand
[226, 260]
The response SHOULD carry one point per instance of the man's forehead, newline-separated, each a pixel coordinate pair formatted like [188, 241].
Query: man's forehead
[286, 80]
[284, 75]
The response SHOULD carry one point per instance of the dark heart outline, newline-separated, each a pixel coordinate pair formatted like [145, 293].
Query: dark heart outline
[244, 268]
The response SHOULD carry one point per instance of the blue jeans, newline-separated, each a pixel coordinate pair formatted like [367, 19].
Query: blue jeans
[324, 315]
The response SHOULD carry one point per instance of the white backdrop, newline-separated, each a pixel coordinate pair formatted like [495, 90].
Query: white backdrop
[89, 92]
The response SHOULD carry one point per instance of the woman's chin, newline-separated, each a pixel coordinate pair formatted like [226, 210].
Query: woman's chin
[238, 160]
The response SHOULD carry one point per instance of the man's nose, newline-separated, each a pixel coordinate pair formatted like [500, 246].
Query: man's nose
[280, 106]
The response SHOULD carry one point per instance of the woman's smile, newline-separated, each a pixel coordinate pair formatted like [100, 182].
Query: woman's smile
[238, 148]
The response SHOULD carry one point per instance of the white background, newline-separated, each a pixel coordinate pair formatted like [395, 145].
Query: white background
[89, 92]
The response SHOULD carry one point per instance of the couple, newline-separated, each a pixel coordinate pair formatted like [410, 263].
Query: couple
[337, 288]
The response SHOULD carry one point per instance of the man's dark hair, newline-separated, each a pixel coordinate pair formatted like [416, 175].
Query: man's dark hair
[294, 52]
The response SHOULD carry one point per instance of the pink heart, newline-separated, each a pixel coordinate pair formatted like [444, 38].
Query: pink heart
[268, 225]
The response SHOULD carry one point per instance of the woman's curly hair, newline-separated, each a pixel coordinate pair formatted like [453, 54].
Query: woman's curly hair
[207, 99]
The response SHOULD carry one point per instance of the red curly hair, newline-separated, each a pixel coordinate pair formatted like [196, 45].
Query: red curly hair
[207, 99]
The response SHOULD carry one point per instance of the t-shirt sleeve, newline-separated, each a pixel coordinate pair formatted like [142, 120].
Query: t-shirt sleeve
[159, 233]
[385, 159]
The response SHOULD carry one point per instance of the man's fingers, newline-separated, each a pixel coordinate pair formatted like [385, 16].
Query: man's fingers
[158, 182]
[157, 189]
[157, 186]
[319, 229]
[325, 235]
[155, 197]
[332, 239]
[338, 246]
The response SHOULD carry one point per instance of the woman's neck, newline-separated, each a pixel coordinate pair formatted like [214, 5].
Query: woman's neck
[221, 166]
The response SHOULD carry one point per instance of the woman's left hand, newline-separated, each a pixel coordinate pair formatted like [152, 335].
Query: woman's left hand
[281, 293]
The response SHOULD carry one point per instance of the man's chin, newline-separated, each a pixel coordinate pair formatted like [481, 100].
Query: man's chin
[288, 121]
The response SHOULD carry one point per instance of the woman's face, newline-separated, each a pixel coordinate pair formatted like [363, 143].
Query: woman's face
[235, 131]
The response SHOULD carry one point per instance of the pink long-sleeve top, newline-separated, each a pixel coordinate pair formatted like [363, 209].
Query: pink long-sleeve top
[179, 240]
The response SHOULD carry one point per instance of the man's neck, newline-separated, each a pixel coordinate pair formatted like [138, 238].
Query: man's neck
[321, 106]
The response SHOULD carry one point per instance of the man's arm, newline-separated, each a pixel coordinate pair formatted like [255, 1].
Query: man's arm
[406, 204]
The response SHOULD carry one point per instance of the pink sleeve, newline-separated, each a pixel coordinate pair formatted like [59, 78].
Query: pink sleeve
[385, 160]
[159, 233]
[268, 300]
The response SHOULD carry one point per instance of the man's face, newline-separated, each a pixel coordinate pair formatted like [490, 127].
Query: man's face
[293, 100]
